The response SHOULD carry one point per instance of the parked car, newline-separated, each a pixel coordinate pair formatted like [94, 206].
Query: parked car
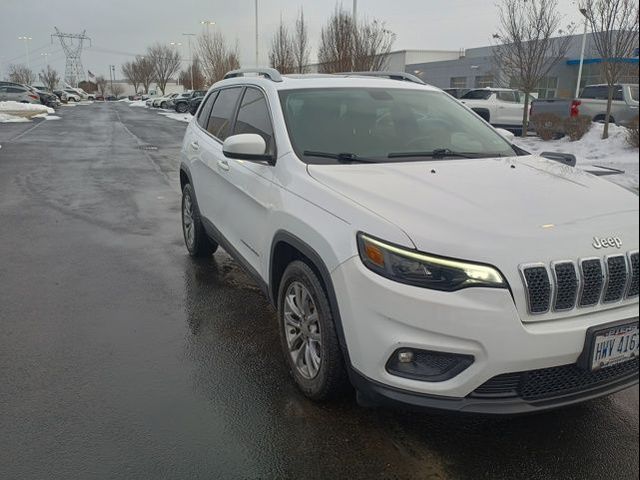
[17, 93]
[456, 92]
[501, 107]
[72, 95]
[181, 103]
[593, 103]
[410, 248]
[194, 103]
[163, 102]
[62, 95]
[48, 98]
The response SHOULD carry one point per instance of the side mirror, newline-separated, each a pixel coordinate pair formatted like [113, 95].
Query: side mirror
[246, 146]
[506, 134]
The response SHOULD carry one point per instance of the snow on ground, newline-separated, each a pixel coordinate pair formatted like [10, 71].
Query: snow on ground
[6, 118]
[24, 109]
[181, 117]
[138, 103]
[613, 152]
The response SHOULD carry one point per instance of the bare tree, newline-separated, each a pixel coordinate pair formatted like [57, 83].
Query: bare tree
[101, 83]
[281, 54]
[117, 89]
[21, 74]
[301, 44]
[615, 36]
[185, 76]
[216, 56]
[347, 46]
[144, 71]
[130, 72]
[166, 63]
[49, 77]
[527, 52]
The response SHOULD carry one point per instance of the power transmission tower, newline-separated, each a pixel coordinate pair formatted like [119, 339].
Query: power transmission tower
[72, 44]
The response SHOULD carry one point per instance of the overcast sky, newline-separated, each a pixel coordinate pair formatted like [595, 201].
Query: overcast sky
[119, 29]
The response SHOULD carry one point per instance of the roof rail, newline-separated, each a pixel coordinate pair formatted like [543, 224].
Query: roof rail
[407, 77]
[270, 73]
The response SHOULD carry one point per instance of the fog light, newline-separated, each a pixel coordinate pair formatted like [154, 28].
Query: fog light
[405, 356]
[427, 365]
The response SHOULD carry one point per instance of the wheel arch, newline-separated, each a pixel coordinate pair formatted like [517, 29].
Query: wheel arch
[285, 248]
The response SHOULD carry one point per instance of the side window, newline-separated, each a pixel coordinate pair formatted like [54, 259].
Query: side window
[617, 93]
[588, 92]
[507, 96]
[253, 117]
[205, 110]
[221, 115]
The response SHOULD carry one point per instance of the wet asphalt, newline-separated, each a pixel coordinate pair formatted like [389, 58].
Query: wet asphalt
[122, 358]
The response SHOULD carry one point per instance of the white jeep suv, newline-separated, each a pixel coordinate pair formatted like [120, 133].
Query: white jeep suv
[409, 248]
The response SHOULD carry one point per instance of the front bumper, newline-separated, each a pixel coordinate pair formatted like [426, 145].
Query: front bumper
[380, 316]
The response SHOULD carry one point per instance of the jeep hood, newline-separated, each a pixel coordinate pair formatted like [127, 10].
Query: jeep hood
[514, 210]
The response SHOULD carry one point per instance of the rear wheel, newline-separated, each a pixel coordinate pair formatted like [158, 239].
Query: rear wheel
[600, 119]
[195, 237]
[163, 105]
[182, 107]
[308, 334]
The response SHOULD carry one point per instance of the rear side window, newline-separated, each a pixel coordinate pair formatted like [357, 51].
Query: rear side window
[253, 117]
[507, 97]
[205, 110]
[16, 90]
[597, 93]
[221, 115]
[477, 95]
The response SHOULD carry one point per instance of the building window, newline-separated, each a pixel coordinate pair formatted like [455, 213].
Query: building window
[483, 81]
[547, 87]
[458, 82]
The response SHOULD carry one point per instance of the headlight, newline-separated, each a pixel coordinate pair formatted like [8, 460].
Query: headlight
[422, 270]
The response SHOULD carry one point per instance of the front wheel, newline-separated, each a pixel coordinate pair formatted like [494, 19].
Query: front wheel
[163, 105]
[195, 237]
[182, 108]
[308, 334]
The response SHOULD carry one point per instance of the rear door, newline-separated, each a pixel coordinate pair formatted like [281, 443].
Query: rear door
[214, 188]
[509, 109]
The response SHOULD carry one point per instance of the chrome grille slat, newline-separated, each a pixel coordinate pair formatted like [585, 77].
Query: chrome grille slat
[565, 284]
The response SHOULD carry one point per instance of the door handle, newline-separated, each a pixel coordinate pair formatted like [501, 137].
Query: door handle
[224, 165]
[194, 145]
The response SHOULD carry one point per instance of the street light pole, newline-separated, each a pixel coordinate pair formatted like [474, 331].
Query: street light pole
[46, 58]
[584, 41]
[207, 24]
[355, 11]
[26, 41]
[256, 12]
[190, 57]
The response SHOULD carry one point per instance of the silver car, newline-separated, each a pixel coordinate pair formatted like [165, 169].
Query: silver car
[17, 93]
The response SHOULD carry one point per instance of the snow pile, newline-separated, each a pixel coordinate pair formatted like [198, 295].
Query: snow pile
[6, 118]
[181, 117]
[27, 110]
[613, 152]
[138, 103]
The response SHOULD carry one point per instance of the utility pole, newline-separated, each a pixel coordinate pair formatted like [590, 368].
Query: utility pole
[257, 56]
[190, 56]
[26, 41]
[112, 74]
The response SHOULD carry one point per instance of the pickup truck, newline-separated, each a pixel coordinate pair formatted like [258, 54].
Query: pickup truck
[593, 102]
[501, 107]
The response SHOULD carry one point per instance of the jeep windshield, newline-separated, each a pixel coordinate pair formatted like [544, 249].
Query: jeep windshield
[385, 125]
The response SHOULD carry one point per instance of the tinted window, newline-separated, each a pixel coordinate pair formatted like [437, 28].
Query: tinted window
[477, 95]
[507, 97]
[599, 92]
[16, 90]
[253, 117]
[220, 120]
[617, 93]
[205, 110]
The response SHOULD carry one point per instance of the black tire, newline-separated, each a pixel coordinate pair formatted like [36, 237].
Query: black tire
[331, 378]
[600, 119]
[197, 242]
[182, 107]
[163, 105]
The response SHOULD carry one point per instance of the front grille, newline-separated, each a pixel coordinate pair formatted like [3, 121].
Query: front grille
[538, 288]
[594, 281]
[554, 382]
[616, 278]
[567, 285]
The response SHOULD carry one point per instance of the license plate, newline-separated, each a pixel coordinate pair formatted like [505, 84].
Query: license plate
[614, 346]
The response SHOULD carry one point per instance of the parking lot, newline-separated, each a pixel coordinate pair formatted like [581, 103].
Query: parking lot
[121, 357]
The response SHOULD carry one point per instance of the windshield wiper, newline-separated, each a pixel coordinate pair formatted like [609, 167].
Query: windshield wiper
[340, 157]
[442, 153]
